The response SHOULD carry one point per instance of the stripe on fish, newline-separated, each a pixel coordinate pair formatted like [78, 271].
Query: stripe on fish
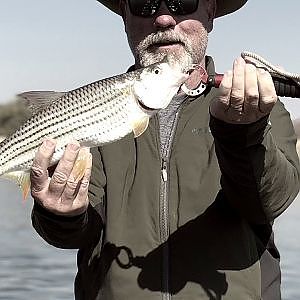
[95, 114]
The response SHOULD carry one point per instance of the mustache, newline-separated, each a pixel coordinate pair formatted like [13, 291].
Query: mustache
[162, 37]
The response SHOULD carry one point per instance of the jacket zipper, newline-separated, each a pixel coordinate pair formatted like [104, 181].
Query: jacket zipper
[164, 229]
[164, 207]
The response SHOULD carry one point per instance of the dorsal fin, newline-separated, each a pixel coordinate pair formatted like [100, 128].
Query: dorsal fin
[39, 100]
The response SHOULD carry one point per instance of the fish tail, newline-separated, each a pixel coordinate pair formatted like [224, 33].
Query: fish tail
[21, 178]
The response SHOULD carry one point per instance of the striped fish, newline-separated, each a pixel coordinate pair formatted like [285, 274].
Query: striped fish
[95, 114]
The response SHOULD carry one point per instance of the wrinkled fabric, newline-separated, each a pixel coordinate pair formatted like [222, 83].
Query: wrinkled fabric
[227, 184]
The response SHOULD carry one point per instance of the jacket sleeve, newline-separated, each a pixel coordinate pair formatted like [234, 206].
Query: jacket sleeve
[259, 164]
[75, 232]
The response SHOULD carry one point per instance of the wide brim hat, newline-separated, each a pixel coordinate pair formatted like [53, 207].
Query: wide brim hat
[224, 7]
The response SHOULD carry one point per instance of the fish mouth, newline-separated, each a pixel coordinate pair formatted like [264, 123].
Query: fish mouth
[145, 107]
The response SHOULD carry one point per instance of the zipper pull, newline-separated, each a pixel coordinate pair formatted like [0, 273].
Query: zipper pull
[164, 172]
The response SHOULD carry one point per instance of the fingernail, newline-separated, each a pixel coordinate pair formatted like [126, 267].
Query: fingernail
[262, 71]
[227, 76]
[85, 149]
[48, 143]
[238, 61]
[251, 67]
[74, 146]
[229, 73]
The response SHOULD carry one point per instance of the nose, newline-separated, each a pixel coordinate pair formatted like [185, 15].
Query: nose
[163, 18]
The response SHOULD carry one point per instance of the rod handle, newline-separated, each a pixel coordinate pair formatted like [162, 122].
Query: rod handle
[284, 87]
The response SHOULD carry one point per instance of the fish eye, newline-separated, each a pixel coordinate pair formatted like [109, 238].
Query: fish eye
[156, 71]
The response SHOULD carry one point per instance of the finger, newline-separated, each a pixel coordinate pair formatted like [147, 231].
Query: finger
[39, 173]
[251, 90]
[77, 173]
[221, 103]
[225, 89]
[267, 92]
[63, 170]
[238, 85]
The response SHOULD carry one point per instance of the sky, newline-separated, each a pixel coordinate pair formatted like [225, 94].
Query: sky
[61, 45]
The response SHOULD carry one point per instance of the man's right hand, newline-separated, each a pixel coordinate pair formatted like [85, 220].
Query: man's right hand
[62, 193]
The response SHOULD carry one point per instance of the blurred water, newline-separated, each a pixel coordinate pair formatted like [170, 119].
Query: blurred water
[31, 269]
[287, 235]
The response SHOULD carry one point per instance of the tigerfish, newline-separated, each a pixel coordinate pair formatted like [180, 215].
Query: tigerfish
[94, 115]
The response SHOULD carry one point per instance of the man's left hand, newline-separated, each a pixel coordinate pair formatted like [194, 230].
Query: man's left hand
[246, 94]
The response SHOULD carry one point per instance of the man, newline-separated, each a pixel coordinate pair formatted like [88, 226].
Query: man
[185, 211]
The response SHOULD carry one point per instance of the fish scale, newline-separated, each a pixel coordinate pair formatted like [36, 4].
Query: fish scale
[95, 114]
[59, 119]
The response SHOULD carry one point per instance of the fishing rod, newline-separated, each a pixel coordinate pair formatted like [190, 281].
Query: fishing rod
[286, 84]
[285, 87]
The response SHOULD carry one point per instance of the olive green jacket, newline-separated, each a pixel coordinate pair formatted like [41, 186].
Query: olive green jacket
[203, 231]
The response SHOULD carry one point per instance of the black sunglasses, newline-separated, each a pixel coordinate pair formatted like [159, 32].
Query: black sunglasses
[147, 8]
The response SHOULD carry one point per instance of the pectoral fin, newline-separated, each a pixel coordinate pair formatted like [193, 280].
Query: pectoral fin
[140, 126]
[81, 164]
[22, 179]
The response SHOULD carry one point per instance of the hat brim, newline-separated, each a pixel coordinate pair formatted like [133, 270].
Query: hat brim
[224, 7]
